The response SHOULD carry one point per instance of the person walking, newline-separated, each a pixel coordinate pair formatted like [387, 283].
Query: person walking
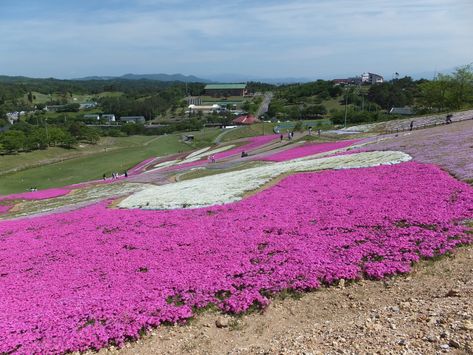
[281, 137]
[411, 126]
[126, 173]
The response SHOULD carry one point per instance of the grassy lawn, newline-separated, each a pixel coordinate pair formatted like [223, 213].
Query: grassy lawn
[111, 155]
[40, 98]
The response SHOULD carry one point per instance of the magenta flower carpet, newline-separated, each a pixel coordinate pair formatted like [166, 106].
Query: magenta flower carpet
[37, 195]
[99, 276]
[5, 208]
[252, 144]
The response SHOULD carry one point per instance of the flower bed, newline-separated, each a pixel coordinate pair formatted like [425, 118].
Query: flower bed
[95, 276]
[37, 195]
[140, 167]
[231, 186]
[4, 209]
[206, 153]
[449, 146]
[252, 144]
[308, 149]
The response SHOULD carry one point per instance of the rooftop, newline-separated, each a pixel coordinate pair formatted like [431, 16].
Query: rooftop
[224, 86]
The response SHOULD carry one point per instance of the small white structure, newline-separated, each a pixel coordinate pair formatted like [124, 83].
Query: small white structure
[92, 117]
[109, 117]
[87, 105]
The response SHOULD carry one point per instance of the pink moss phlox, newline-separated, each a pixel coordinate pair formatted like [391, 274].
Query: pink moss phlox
[90, 277]
[4, 209]
[308, 149]
[252, 144]
[37, 195]
[140, 167]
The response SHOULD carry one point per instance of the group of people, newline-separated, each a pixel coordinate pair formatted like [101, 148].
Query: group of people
[290, 135]
[33, 189]
[211, 158]
[448, 120]
[115, 175]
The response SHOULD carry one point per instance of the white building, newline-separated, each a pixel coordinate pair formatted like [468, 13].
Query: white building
[371, 78]
[205, 108]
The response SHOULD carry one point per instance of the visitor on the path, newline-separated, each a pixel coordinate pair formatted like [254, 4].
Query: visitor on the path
[288, 135]
[281, 136]
[292, 134]
[104, 176]
[318, 132]
[212, 158]
[310, 131]
[411, 126]
[126, 173]
[448, 119]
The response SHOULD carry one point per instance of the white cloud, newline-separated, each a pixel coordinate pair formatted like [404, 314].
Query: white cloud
[281, 38]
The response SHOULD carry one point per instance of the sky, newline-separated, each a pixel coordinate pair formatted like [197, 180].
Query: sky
[206, 38]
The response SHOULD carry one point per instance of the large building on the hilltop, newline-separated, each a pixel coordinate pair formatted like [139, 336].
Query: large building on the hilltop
[371, 78]
[225, 90]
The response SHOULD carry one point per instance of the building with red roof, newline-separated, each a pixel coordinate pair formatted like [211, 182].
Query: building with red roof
[245, 119]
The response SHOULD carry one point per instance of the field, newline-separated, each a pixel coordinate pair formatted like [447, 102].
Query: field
[351, 218]
[40, 98]
[59, 167]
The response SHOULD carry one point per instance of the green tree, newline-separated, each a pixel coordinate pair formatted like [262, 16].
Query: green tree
[38, 139]
[56, 135]
[13, 141]
[434, 94]
[461, 90]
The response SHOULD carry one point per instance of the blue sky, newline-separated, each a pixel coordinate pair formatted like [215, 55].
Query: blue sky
[271, 38]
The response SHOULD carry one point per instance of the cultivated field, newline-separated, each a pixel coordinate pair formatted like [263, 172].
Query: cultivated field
[295, 246]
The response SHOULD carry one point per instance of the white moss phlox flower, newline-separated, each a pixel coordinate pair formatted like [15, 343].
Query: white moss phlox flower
[197, 152]
[231, 186]
[164, 164]
[199, 156]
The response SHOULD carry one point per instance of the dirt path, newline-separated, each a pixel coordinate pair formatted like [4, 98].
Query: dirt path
[429, 311]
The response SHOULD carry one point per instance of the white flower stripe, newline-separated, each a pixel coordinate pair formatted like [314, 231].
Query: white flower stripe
[231, 186]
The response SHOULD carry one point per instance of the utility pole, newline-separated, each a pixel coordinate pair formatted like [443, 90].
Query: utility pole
[346, 105]
[46, 127]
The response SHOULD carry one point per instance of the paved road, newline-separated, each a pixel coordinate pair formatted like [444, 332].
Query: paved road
[263, 108]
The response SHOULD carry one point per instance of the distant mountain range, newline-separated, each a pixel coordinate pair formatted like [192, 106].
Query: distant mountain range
[226, 78]
[156, 77]
[218, 78]
[240, 78]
